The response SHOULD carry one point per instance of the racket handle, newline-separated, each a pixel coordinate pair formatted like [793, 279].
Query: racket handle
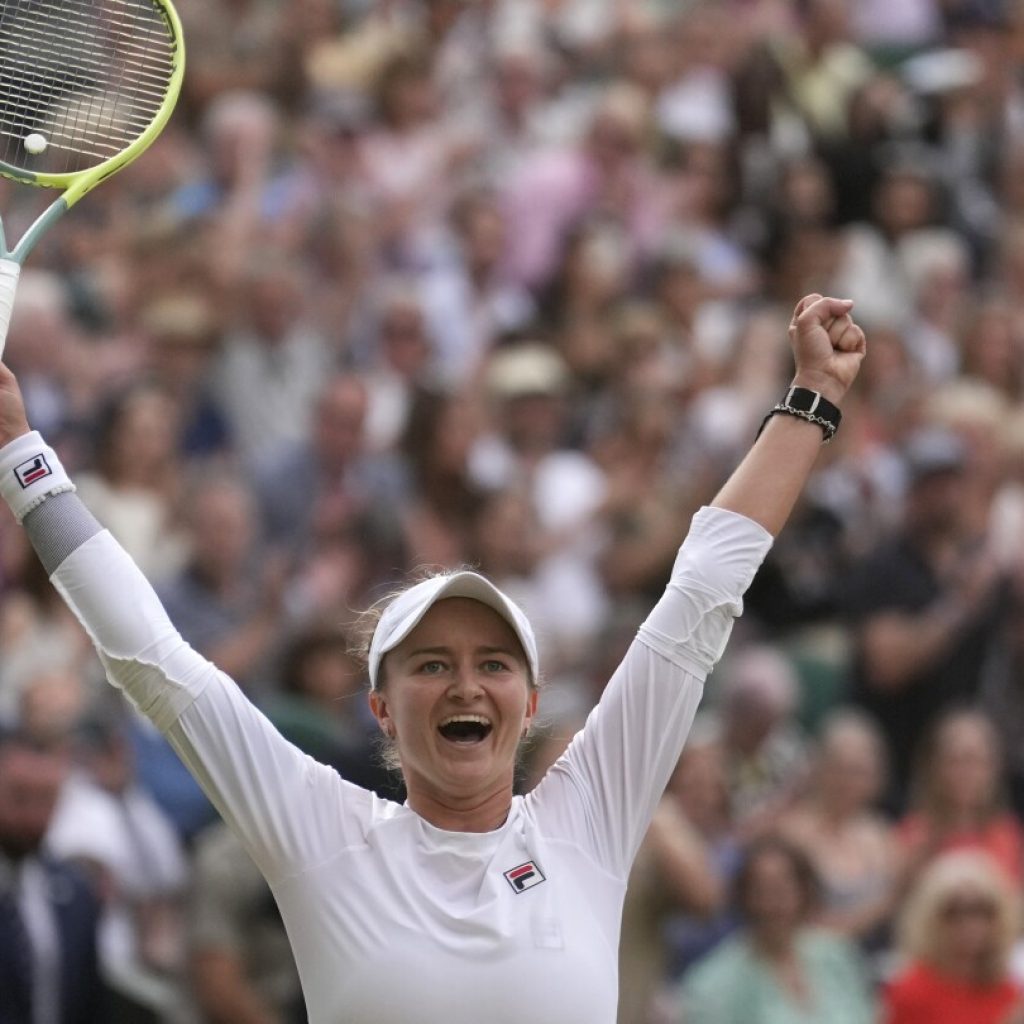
[9, 271]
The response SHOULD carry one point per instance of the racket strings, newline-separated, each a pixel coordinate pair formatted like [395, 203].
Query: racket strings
[89, 76]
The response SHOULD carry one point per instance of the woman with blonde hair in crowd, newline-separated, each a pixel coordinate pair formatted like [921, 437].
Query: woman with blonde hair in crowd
[957, 929]
[957, 797]
[851, 846]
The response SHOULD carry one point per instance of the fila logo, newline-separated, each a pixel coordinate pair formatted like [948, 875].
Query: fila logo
[524, 877]
[35, 469]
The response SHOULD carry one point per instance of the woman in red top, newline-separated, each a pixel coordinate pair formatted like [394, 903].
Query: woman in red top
[957, 799]
[957, 929]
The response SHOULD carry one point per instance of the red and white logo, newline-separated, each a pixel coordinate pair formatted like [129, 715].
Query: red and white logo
[524, 877]
[34, 469]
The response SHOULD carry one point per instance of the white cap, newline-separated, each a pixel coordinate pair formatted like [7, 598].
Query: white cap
[402, 616]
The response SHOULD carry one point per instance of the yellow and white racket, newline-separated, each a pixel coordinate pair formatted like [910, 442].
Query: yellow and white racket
[85, 87]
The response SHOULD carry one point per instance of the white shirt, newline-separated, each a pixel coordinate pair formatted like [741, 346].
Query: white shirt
[392, 920]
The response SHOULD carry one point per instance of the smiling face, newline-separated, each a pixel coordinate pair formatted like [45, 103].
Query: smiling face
[456, 697]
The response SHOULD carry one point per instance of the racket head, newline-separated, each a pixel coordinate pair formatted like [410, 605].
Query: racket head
[98, 79]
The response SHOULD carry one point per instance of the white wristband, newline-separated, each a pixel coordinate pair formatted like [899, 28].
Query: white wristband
[29, 473]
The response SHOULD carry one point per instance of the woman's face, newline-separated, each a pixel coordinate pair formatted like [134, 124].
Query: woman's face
[146, 433]
[457, 699]
[701, 784]
[850, 772]
[966, 764]
[774, 898]
[968, 924]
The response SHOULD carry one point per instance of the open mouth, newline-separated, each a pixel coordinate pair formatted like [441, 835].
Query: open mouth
[465, 729]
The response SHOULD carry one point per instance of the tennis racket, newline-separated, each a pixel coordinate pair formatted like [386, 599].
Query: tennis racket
[85, 87]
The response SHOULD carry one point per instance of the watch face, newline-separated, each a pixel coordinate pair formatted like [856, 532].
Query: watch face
[802, 399]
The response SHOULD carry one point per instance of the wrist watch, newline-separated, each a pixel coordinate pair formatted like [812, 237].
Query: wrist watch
[807, 405]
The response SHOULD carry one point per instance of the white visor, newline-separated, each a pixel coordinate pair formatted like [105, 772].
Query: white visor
[401, 617]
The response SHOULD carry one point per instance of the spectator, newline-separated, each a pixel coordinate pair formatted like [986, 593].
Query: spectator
[958, 801]
[608, 174]
[764, 749]
[334, 483]
[700, 786]
[49, 913]
[181, 336]
[528, 384]
[136, 481]
[319, 707]
[957, 930]
[469, 304]
[851, 847]
[108, 825]
[777, 968]
[272, 363]
[440, 520]
[402, 364]
[923, 606]
[239, 956]
[226, 601]
[673, 873]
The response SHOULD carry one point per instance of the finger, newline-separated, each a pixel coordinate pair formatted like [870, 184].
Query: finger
[803, 304]
[836, 326]
[824, 309]
[850, 339]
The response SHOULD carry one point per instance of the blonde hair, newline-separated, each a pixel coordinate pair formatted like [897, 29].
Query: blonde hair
[947, 877]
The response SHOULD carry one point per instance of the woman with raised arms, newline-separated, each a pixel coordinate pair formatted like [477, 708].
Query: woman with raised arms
[466, 903]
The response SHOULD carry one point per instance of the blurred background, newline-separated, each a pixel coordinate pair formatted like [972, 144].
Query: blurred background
[506, 283]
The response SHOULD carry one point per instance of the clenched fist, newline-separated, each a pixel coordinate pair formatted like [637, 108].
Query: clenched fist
[827, 344]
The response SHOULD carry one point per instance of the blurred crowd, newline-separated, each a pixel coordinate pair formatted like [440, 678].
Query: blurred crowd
[505, 283]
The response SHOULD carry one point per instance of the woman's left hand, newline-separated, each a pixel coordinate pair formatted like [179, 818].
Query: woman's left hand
[828, 346]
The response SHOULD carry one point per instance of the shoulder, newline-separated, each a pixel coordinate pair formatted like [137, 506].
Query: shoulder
[730, 959]
[826, 948]
[69, 886]
[911, 986]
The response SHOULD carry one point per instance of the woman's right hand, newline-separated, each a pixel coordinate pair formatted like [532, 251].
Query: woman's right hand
[13, 422]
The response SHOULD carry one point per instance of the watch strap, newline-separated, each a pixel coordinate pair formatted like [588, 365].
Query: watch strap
[807, 405]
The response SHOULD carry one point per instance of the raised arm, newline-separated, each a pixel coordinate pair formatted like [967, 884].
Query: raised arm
[264, 787]
[828, 347]
[607, 785]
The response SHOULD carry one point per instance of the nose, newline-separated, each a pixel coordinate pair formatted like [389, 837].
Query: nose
[465, 684]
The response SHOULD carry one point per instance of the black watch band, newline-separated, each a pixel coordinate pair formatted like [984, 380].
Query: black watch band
[808, 405]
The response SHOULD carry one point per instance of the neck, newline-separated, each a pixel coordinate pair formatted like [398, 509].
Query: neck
[479, 813]
[976, 970]
[832, 817]
[773, 943]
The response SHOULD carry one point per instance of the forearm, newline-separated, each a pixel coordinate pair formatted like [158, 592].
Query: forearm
[898, 647]
[767, 483]
[827, 348]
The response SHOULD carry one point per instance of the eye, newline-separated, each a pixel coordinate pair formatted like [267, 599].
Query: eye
[432, 668]
[493, 665]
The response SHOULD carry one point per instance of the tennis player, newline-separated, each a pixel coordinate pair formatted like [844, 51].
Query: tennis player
[467, 903]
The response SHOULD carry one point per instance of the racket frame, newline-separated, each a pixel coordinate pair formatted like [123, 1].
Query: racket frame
[78, 183]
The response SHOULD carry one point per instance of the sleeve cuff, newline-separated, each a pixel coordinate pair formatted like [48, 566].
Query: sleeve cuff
[29, 473]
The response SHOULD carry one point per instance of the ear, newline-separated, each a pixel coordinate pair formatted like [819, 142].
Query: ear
[379, 707]
[531, 709]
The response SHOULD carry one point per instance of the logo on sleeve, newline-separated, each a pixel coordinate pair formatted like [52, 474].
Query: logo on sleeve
[524, 877]
[34, 469]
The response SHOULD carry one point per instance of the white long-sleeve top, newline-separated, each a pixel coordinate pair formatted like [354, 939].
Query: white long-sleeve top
[392, 920]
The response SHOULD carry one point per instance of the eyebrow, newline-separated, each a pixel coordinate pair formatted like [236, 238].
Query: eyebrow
[420, 651]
